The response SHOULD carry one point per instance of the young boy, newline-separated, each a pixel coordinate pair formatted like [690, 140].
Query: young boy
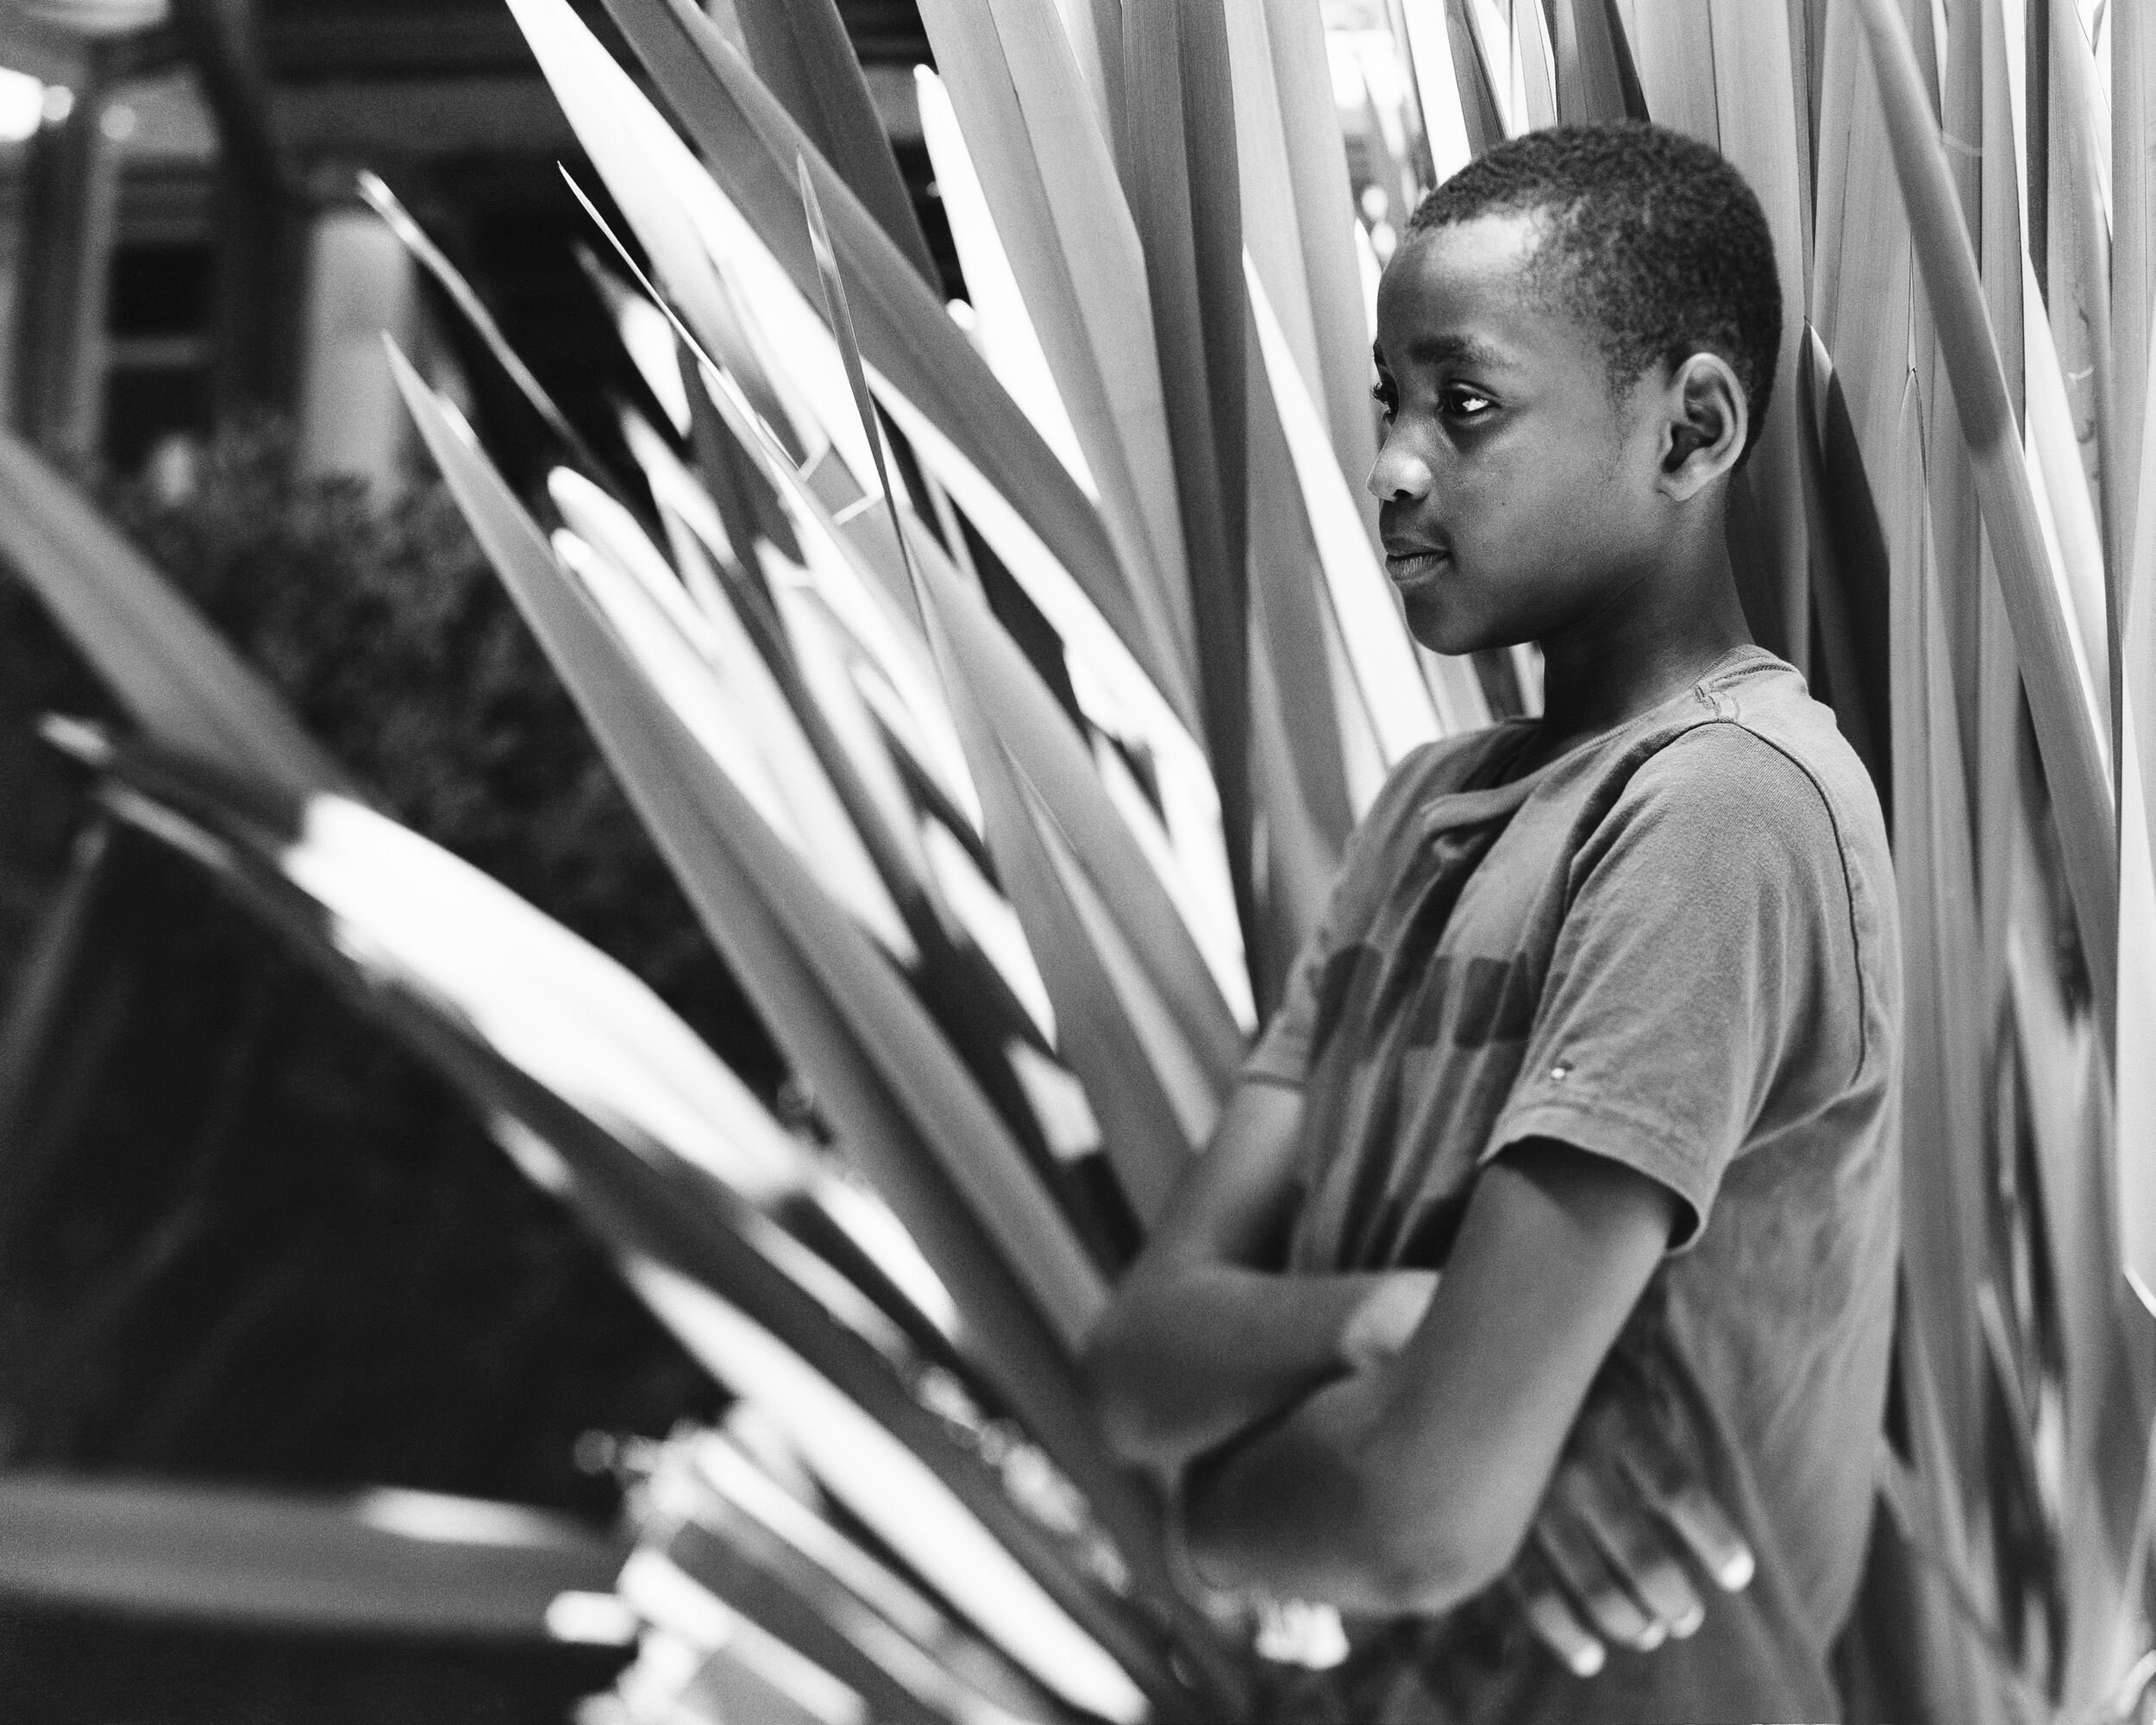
[1587, 1082]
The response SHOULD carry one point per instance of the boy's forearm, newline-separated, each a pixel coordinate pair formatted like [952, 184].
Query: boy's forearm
[1185, 1365]
[1304, 1510]
[1411, 1485]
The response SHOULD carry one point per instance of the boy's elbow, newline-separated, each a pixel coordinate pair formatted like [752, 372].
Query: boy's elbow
[1379, 1566]
[1426, 1558]
[1417, 1573]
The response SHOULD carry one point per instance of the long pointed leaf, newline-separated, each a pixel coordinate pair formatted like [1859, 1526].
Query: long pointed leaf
[699, 1661]
[402, 1564]
[1002, 324]
[882, 1481]
[723, 1472]
[1183, 182]
[812, 814]
[801, 51]
[1441, 88]
[750, 146]
[1595, 81]
[1123, 701]
[876, 1060]
[2073, 752]
[1095, 1027]
[431, 258]
[2136, 1149]
[893, 1089]
[1325, 207]
[1051, 181]
[176, 677]
[2132, 265]
[769, 1579]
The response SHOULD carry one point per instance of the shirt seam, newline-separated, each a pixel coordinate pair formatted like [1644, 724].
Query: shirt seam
[1841, 856]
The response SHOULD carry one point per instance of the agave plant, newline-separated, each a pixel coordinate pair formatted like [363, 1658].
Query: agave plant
[1002, 694]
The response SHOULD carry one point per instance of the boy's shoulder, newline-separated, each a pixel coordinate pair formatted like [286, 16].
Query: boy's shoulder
[1750, 760]
[1745, 768]
[1753, 809]
[1777, 756]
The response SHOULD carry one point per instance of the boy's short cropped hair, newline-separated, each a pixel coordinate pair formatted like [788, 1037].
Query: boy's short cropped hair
[1654, 240]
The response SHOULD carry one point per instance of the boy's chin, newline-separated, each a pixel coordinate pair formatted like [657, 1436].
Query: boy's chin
[1444, 629]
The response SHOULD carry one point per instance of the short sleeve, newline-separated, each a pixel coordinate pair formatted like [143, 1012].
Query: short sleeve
[1706, 967]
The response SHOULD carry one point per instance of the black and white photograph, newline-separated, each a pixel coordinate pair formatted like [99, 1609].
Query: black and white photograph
[1077, 861]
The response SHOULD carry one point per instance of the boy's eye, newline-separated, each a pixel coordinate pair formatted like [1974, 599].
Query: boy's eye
[1382, 393]
[1468, 404]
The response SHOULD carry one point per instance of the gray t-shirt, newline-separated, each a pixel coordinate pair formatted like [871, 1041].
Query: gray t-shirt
[1675, 946]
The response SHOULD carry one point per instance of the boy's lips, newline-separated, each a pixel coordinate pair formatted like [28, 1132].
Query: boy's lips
[1415, 566]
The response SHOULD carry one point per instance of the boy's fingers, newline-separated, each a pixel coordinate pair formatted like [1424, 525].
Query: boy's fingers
[1637, 1545]
[1665, 1479]
[1717, 1544]
[1553, 1619]
[1610, 1608]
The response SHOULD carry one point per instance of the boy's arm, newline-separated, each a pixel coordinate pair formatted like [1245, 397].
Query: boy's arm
[1409, 1487]
[1199, 1342]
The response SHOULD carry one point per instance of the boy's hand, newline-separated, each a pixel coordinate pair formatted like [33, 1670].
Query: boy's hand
[1384, 1321]
[1620, 1541]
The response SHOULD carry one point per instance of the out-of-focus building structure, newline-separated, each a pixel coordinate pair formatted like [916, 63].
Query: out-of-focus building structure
[180, 237]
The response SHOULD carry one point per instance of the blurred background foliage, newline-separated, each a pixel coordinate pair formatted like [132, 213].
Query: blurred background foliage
[244, 1237]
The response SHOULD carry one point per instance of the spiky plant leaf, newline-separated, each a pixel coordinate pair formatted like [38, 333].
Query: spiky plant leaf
[1187, 797]
[1050, 180]
[1481, 97]
[750, 145]
[407, 1564]
[174, 675]
[1596, 80]
[2132, 264]
[790, 949]
[1001, 323]
[1182, 177]
[450, 280]
[1327, 225]
[606, 1100]
[2137, 844]
[773, 1582]
[1441, 85]
[801, 52]
[646, 603]
[889, 1083]
[722, 1473]
[1158, 1098]
[2072, 749]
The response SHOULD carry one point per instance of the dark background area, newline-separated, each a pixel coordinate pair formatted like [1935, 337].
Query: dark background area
[242, 1238]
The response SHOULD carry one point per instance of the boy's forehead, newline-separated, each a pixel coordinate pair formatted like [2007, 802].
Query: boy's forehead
[1474, 291]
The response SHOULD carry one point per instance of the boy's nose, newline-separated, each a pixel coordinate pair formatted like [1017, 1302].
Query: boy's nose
[1399, 476]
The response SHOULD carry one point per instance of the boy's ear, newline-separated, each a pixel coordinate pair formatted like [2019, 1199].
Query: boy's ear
[1706, 420]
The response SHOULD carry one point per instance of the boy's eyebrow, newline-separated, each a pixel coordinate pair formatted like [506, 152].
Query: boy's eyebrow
[1431, 350]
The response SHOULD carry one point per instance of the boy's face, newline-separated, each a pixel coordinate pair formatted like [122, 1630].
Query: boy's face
[1516, 490]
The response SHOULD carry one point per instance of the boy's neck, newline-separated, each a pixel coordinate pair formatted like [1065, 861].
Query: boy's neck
[1651, 641]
